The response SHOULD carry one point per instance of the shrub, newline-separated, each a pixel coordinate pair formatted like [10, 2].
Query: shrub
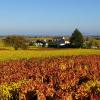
[16, 42]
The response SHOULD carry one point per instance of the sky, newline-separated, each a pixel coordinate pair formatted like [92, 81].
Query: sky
[49, 17]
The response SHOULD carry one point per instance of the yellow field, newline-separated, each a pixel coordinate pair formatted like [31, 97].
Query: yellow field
[42, 38]
[27, 54]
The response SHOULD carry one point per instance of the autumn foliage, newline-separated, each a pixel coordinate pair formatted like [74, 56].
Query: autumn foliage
[54, 78]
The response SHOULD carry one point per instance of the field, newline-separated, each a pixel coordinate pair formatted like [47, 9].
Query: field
[53, 78]
[49, 74]
[40, 52]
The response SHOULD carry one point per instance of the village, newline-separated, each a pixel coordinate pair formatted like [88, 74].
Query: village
[55, 42]
[63, 42]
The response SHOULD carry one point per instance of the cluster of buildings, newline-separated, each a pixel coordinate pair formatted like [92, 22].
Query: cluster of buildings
[55, 42]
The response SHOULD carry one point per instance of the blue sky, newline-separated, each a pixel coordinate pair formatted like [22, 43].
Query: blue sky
[49, 16]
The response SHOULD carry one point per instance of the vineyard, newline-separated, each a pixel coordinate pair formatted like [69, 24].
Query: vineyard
[51, 78]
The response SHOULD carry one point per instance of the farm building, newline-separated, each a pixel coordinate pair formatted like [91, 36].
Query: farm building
[59, 42]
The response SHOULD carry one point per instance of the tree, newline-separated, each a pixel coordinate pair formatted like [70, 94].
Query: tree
[94, 42]
[76, 40]
[16, 42]
[97, 43]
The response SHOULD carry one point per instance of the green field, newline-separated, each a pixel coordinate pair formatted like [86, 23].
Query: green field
[27, 54]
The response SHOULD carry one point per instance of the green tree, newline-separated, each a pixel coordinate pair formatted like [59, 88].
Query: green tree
[16, 42]
[76, 40]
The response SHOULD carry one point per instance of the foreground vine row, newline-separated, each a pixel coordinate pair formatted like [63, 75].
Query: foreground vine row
[54, 78]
